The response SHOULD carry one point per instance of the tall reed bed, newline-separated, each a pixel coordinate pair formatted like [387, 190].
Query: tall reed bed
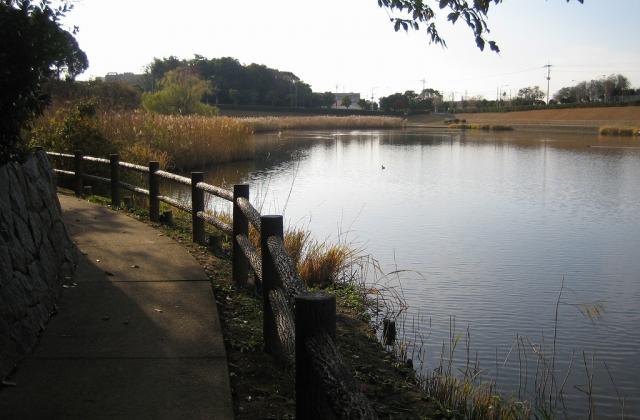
[187, 141]
[355, 122]
[182, 142]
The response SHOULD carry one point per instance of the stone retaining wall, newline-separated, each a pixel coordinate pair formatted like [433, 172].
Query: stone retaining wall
[36, 255]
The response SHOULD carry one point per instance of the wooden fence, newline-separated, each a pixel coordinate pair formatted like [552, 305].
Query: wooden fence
[299, 326]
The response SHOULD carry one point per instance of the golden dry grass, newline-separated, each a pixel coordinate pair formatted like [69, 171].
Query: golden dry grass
[261, 124]
[319, 264]
[183, 141]
[591, 117]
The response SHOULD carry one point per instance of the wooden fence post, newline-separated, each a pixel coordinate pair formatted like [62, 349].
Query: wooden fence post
[315, 313]
[114, 163]
[77, 164]
[154, 191]
[240, 264]
[270, 226]
[197, 204]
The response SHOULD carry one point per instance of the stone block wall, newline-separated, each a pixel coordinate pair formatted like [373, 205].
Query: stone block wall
[36, 255]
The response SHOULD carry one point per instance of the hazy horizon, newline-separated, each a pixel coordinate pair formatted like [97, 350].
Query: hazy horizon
[352, 47]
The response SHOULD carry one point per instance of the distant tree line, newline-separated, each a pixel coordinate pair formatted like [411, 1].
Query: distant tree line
[610, 89]
[234, 83]
[427, 100]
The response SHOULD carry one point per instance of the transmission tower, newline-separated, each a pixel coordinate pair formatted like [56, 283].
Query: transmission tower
[548, 66]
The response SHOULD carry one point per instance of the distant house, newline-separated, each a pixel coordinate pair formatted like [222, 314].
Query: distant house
[355, 97]
[133, 79]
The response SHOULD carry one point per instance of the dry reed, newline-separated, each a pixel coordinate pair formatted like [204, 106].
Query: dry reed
[187, 142]
[355, 122]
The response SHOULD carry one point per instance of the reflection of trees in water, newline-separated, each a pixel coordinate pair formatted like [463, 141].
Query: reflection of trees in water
[280, 152]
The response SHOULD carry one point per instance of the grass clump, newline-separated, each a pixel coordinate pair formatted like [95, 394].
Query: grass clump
[319, 264]
[499, 127]
[619, 131]
[264, 124]
[484, 127]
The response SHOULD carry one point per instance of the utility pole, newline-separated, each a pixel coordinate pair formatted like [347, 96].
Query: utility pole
[423, 80]
[548, 66]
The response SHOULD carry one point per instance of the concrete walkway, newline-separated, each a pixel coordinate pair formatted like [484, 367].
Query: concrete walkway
[137, 334]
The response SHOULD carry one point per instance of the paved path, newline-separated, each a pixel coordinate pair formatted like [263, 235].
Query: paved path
[137, 335]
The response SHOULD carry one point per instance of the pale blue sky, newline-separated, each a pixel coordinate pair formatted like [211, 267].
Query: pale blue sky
[351, 43]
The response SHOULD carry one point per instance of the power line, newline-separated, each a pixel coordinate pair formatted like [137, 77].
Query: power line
[502, 74]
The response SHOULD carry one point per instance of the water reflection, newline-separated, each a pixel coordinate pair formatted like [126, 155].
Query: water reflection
[490, 223]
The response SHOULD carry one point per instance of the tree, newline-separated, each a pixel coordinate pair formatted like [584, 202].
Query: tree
[181, 93]
[417, 13]
[111, 95]
[531, 95]
[346, 101]
[566, 95]
[33, 49]
[395, 102]
[234, 95]
[328, 99]
[601, 90]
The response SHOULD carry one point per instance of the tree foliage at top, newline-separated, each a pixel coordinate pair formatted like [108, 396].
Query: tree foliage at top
[33, 49]
[415, 14]
[181, 93]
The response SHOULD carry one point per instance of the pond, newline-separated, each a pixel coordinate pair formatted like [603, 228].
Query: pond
[491, 231]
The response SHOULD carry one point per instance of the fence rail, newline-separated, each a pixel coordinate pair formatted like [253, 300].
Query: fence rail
[298, 326]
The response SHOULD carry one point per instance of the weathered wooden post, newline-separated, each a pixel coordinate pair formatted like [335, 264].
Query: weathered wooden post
[154, 192]
[315, 314]
[197, 204]
[77, 165]
[270, 226]
[240, 264]
[114, 163]
[388, 332]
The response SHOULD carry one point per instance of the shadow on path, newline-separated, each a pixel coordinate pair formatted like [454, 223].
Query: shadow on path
[137, 333]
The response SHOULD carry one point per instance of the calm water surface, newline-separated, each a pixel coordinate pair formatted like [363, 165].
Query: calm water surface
[488, 226]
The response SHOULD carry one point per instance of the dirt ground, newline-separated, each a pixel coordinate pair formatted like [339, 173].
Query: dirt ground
[594, 117]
